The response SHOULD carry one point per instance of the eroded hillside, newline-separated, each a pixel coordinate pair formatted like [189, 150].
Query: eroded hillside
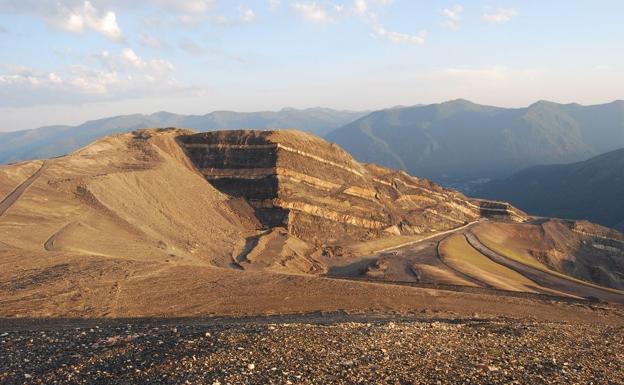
[169, 222]
[321, 194]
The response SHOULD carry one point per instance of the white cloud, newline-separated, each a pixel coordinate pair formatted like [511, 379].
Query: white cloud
[362, 7]
[89, 81]
[129, 57]
[21, 74]
[500, 15]
[379, 31]
[453, 16]
[247, 15]
[313, 12]
[22, 86]
[87, 16]
[317, 13]
[102, 15]
[273, 4]
[128, 60]
[69, 15]
[41, 87]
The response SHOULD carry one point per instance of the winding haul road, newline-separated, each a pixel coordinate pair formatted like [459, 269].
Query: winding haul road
[429, 237]
[546, 279]
[10, 199]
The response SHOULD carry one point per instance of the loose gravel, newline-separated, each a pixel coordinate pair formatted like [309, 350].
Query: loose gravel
[380, 352]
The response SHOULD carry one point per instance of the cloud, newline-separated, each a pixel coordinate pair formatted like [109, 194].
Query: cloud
[313, 12]
[87, 16]
[247, 15]
[30, 87]
[128, 60]
[21, 86]
[500, 15]
[453, 16]
[69, 15]
[361, 7]
[379, 31]
[101, 15]
[244, 15]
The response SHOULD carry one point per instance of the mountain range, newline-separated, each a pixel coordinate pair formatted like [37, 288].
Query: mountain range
[460, 141]
[591, 189]
[454, 143]
[458, 144]
[58, 140]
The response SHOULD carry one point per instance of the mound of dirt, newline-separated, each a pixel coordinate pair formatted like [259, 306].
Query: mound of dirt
[583, 250]
[124, 196]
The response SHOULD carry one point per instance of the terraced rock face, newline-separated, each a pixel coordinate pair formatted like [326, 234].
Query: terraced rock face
[321, 194]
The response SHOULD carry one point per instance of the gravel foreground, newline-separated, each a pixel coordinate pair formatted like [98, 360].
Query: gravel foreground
[378, 352]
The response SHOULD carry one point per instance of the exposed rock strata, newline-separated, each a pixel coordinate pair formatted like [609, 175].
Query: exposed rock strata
[320, 193]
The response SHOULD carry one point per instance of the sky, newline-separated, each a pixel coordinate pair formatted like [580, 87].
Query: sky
[67, 61]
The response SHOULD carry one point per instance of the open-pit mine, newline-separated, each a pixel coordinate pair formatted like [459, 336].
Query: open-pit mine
[192, 232]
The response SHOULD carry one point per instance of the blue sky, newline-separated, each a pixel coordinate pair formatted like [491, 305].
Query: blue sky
[65, 61]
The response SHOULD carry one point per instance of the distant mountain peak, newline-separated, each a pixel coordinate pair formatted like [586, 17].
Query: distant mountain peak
[458, 102]
[461, 100]
[159, 114]
[543, 102]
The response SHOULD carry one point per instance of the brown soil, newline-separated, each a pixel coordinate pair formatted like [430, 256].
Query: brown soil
[128, 227]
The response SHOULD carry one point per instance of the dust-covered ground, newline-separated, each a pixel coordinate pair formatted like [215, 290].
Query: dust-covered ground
[319, 349]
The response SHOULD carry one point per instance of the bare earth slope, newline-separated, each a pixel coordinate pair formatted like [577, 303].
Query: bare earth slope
[172, 223]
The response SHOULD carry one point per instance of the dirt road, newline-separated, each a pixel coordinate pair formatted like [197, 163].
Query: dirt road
[19, 190]
[546, 279]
